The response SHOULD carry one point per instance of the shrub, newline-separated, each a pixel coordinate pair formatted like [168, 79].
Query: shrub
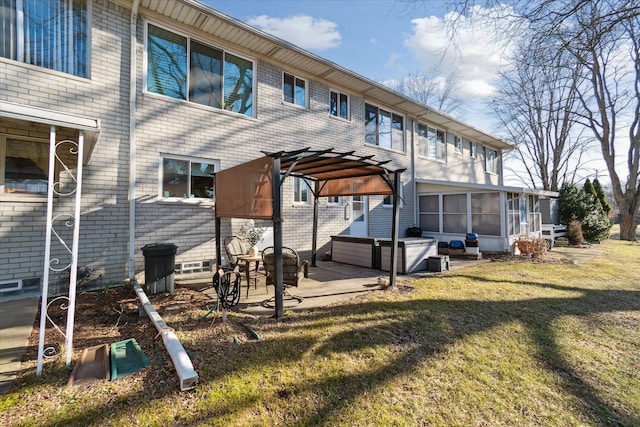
[574, 232]
[585, 206]
[535, 248]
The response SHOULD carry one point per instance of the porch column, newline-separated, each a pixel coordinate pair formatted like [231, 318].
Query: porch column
[71, 250]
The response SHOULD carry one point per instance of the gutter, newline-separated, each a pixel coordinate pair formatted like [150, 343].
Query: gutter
[132, 137]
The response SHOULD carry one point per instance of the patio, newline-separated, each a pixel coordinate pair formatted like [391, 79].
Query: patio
[328, 283]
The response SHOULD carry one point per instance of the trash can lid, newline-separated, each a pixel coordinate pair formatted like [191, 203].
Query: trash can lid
[159, 247]
[456, 244]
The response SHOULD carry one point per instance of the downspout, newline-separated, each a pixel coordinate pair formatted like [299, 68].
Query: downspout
[181, 361]
[414, 183]
[132, 136]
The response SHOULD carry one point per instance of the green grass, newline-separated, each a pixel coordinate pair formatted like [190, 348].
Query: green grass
[498, 344]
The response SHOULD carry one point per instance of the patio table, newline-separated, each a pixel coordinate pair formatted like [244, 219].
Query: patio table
[249, 259]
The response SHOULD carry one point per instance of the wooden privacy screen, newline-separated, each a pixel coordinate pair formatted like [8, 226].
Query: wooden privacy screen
[244, 191]
[356, 186]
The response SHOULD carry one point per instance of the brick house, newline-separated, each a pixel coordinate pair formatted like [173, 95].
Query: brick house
[162, 94]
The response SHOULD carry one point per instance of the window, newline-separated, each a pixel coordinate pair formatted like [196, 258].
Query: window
[472, 149]
[339, 105]
[454, 213]
[25, 166]
[482, 208]
[387, 202]
[294, 90]
[457, 144]
[429, 206]
[535, 218]
[48, 33]
[300, 190]
[513, 206]
[485, 213]
[383, 128]
[431, 143]
[490, 160]
[334, 200]
[187, 178]
[182, 68]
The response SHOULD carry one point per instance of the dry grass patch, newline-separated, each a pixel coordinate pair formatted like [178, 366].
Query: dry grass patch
[501, 344]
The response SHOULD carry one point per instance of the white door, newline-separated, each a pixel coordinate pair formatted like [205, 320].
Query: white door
[359, 216]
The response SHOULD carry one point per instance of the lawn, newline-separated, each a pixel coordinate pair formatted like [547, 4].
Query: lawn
[501, 343]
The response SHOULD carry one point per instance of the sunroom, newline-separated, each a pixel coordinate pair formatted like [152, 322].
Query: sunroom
[499, 215]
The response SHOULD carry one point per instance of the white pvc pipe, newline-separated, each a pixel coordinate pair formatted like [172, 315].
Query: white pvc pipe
[132, 136]
[181, 361]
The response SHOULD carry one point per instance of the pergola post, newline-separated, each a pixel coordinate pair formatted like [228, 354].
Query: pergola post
[395, 224]
[218, 248]
[277, 236]
[314, 241]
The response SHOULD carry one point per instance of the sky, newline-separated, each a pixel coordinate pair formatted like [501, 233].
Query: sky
[384, 40]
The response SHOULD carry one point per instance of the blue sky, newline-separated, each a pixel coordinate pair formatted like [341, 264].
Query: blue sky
[383, 40]
[365, 36]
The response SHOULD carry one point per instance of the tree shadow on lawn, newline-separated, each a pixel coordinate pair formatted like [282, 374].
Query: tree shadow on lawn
[431, 324]
[463, 319]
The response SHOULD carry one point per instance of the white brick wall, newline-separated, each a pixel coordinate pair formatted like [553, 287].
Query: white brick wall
[167, 126]
[104, 220]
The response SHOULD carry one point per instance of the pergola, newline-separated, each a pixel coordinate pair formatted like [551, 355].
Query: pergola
[252, 190]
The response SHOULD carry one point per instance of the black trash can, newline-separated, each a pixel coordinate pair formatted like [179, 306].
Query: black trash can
[159, 267]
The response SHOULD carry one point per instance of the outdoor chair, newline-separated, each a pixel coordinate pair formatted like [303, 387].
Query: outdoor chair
[292, 269]
[235, 247]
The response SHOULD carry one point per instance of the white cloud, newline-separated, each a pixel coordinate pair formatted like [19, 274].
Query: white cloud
[301, 30]
[394, 62]
[473, 45]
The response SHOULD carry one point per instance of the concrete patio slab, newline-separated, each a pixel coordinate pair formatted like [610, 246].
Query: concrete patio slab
[329, 282]
[16, 323]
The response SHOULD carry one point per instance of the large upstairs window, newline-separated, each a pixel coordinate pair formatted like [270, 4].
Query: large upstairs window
[383, 128]
[431, 143]
[182, 68]
[53, 34]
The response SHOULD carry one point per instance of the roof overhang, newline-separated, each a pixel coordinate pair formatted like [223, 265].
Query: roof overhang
[90, 127]
[262, 45]
[485, 187]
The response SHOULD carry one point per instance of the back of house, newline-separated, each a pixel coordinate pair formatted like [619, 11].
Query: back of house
[116, 115]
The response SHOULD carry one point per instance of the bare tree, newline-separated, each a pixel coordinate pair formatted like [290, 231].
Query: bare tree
[431, 88]
[603, 36]
[607, 44]
[535, 105]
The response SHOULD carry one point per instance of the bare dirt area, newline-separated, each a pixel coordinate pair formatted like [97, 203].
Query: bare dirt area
[108, 316]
